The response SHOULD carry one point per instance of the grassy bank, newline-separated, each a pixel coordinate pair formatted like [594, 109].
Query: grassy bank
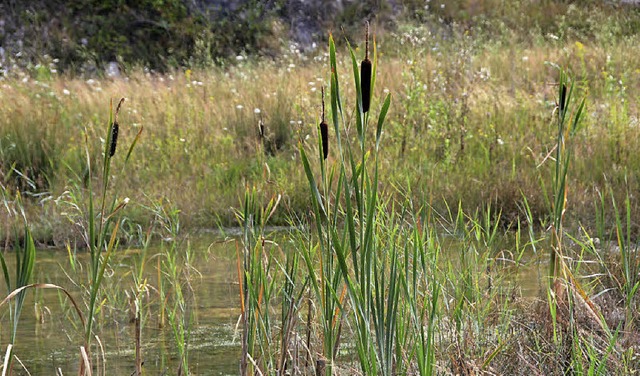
[472, 123]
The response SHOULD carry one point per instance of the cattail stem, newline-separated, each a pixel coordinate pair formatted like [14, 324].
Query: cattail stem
[322, 90]
[366, 43]
[563, 99]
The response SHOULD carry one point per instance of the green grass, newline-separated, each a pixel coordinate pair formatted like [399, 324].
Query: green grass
[470, 124]
[404, 238]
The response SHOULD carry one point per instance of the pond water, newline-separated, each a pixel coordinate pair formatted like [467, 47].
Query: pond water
[49, 335]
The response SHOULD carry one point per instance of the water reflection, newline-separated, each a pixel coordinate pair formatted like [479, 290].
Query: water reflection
[49, 335]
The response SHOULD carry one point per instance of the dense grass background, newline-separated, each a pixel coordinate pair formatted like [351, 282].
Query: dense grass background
[471, 122]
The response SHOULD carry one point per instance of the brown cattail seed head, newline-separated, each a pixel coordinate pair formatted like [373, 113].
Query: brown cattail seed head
[114, 139]
[324, 131]
[114, 130]
[563, 98]
[365, 76]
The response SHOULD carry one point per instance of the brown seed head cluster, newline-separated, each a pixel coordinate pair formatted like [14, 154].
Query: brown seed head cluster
[324, 131]
[114, 130]
[563, 99]
[365, 76]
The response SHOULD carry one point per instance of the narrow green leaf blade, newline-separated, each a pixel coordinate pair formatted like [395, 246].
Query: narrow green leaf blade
[383, 114]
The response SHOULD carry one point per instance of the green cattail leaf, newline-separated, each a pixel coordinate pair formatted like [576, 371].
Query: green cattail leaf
[334, 70]
[356, 79]
[375, 67]
[356, 74]
[133, 144]
[383, 114]
[351, 228]
[111, 246]
[335, 105]
[312, 183]
[576, 119]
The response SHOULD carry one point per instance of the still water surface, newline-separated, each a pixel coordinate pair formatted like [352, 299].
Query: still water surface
[49, 335]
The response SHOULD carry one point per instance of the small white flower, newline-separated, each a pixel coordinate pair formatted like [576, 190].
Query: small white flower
[239, 107]
[66, 92]
[256, 111]
[239, 57]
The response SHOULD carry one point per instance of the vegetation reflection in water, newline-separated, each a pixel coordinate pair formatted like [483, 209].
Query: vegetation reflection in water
[48, 335]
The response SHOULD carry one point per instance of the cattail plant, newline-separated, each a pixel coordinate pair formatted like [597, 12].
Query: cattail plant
[324, 131]
[101, 226]
[365, 75]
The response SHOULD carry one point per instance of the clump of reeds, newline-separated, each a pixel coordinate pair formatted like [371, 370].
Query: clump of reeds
[100, 223]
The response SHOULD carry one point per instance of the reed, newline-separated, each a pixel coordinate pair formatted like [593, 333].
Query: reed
[99, 220]
[568, 122]
[265, 344]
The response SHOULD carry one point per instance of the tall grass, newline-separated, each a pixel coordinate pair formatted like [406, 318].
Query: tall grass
[25, 260]
[265, 342]
[462, 96]
[568, 122]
